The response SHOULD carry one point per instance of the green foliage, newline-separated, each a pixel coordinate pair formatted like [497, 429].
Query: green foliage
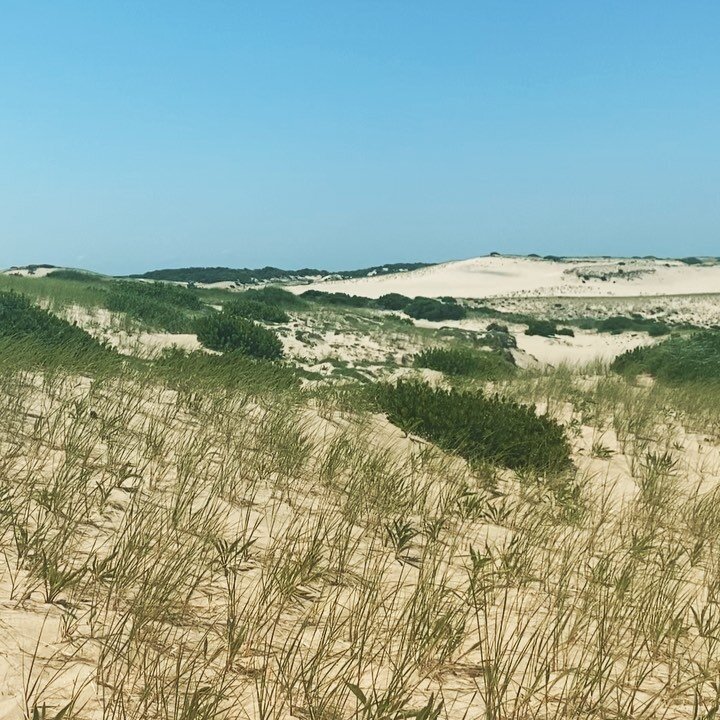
[19, 318]
[157, 305]
[255, 310]
[545, 328]
[619, 323]
[77, 275]
[477, 427]
[676, 360]
[249, 276]
[232, 369]
[465, 361]
[393, 301]
[432, 309]
[31, 337]
[337, 298]
[273, 295]
[228, 332]
[569, 332]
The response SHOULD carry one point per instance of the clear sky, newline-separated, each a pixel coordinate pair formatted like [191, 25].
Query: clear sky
[144, 134]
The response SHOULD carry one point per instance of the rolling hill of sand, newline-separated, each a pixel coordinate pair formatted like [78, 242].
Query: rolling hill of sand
[502, 276]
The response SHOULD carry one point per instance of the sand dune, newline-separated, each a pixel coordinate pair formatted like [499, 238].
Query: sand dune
[495, 276]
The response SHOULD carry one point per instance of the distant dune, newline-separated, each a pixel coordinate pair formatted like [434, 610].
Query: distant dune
[505, 276]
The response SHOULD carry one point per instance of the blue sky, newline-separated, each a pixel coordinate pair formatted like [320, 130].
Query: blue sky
[137, 135]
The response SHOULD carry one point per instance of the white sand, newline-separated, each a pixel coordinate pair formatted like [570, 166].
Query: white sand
[486, 277]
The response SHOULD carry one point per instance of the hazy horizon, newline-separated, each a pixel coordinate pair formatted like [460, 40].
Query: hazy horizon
[339, 136]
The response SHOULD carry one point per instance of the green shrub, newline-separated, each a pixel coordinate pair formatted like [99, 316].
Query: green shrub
[272, 295]
[227, 332]
[431, 309]
[545, 328]
[254, 310]
[465, 361]
[569, 332]
[337, 298]
[393, 301]
[676, 360]
[620, 323]
[477, 427]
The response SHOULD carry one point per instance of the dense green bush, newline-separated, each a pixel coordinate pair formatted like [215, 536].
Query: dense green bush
[393, 301]
[254, 310]
[477, 427]
[337, 298]
[545, 328]
[465, 361]
[569, 332]
[431, 309]
[678, 359]
[227, 332]
[620, 323]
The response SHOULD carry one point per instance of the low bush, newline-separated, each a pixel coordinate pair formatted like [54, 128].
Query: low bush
[545, 328]
[465, 361]
[423, 308]
[569, 332]
[272, 295]
[618, 324]
[227, 332]
[393, 301]
[337, 298]
[254, 310]
[477, 427]
[676, 360]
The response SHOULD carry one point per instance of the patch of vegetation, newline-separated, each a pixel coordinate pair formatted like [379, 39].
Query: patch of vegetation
[477, 427]
[393, 301]
[338, 298]
[250, 276]
[157, 305]
[462, 361]
[618, 324]
[423, 308]
[545, 328]
[77, 275]
[232, 369]
[44, 338]
[255, 310]
[676, 360]
[273, 295]
[227, 332]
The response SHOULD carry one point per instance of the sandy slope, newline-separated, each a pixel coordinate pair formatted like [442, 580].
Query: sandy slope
[522, 276]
